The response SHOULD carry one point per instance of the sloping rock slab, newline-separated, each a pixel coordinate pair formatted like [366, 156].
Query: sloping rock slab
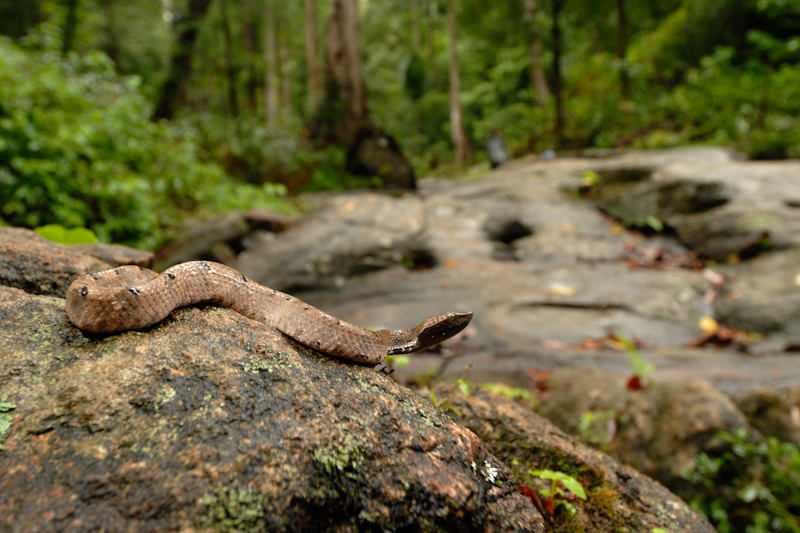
[659, 430]
[716, 207]
[763, 295]
[40, 266]
[212, 420]
[618, 497]
[351, 234]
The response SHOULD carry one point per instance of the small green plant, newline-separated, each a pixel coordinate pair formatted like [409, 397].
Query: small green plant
[563, 489]
[60, 234]
[463, 385]
[5, 419]
[398, 361]
[641, 369]
[512, 393]
[749, 484]
[597, 427]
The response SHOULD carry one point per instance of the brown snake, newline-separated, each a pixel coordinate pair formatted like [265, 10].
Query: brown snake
[133, 297]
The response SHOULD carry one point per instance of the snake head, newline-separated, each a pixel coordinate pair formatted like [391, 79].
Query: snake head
[440, 328]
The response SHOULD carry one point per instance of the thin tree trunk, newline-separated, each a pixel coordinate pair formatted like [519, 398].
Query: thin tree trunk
[415, 39]
[230, 67]
[70, 23]
[174, 87]
[111, 44]
[270, 64]
[249, 38]
[460, 142]
[344, 73]
[540, 89]
[622, 45]
[430, 39]
[286, 80]
[312, 54]
[556, 36]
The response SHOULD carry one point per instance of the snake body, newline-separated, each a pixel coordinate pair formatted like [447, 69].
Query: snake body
[132, 297]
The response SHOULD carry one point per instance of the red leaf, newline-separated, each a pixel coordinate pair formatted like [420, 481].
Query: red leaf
[634, 383]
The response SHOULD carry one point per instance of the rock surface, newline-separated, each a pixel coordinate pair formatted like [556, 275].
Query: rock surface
[658, 430]
[213, 420]
[618, 497]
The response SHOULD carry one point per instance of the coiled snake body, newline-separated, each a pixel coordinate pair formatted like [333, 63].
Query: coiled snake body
[133, 297]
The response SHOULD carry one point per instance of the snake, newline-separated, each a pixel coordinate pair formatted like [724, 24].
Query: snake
[134, 297]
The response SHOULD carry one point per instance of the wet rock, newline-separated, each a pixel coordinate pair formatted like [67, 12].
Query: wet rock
[773, 412]
[715, 204]
[763, 295]
[214, 239]
[212, 420]
[376, 153]
[658, 430]
[116, 254]
[40, 266]
[616, 492]
[351, 234]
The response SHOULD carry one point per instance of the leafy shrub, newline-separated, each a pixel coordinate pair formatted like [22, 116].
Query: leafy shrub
[749, 485]
[251, 151]
[77, 148]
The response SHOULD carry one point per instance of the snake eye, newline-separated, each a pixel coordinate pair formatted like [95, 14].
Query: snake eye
[134, 290]
[84, 291]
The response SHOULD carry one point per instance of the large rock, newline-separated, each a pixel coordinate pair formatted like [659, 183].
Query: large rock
[212, 420]
[37, 265]
[716, 204]
[763, 295]
[618, 497]
[349, 235]
[658, 430]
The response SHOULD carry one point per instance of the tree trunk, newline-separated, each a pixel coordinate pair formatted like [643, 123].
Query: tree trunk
[174, 87]
[345, 101]
[415, 40]
[556, 36]
[540, 89]
[460, 142]
[286, 79]
[342, 117]
[271, 76]
[249, 39]
[230, 67]
[70, 23]
[622, 45]
[111, 45]
[312, 54]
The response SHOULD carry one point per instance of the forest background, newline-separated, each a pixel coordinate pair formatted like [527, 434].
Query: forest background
[127, 117]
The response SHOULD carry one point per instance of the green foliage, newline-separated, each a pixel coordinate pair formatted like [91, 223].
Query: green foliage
[559, 484]
[77, 149]
[512, 393]
[234, 510]
[749, 484]
[253, 152]
[593, 427]
[5, 419]
[639, 366]
[60, 234]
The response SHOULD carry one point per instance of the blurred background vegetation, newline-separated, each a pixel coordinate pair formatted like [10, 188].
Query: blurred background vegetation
[128, 116]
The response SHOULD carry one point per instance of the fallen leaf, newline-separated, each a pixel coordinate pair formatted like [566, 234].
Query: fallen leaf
[450, 262]
[559, 289]
[713, 277]
[634, 383]
[708, 326]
